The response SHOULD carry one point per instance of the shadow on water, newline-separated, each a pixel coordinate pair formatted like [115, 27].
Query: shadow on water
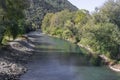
[57, 59]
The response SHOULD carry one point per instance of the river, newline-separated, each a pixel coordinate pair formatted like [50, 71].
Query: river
[57, 59]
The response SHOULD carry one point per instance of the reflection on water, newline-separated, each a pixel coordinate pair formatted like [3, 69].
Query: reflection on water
[59, 45]
[56, 59]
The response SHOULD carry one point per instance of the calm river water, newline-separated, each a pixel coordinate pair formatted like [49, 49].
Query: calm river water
[57, 59]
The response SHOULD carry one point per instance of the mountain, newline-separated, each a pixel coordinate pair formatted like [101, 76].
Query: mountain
[38, 8]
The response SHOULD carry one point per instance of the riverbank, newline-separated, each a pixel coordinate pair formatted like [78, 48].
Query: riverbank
[13, 58]
[17, 53]
[110, 63]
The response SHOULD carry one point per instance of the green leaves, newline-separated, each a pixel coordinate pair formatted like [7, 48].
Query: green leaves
[11, 14]
[102, 38]
[110, 12]
[65, 24]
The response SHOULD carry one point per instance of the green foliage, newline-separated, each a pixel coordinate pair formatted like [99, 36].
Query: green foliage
[64, 24]
[12, 17]
[61, 4]
[102, 38]
[100, 31]
[81, 17]
[39, 8]
[109, 12]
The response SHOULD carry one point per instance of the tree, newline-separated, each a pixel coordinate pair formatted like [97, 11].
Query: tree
[65, 24]
[110, 12]
[103, 38]
[12, 14]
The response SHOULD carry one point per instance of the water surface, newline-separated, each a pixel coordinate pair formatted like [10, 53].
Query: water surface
[57, 59]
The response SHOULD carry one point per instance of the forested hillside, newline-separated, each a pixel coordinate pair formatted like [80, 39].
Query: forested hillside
[18, 17]
[99, 32]
[38, 8]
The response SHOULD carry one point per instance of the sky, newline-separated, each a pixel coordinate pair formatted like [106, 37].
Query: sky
[89, 5]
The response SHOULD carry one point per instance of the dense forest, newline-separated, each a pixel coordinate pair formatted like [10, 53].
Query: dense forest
[12, 18]
[99, 31]
[38, 8]
[19, 17]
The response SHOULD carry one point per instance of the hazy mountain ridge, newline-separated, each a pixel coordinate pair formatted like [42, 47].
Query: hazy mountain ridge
[38, 8]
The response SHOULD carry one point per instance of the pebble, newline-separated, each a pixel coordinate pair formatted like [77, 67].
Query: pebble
[7, 68]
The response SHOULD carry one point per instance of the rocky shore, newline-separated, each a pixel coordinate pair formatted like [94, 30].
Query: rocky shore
[13, 58]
